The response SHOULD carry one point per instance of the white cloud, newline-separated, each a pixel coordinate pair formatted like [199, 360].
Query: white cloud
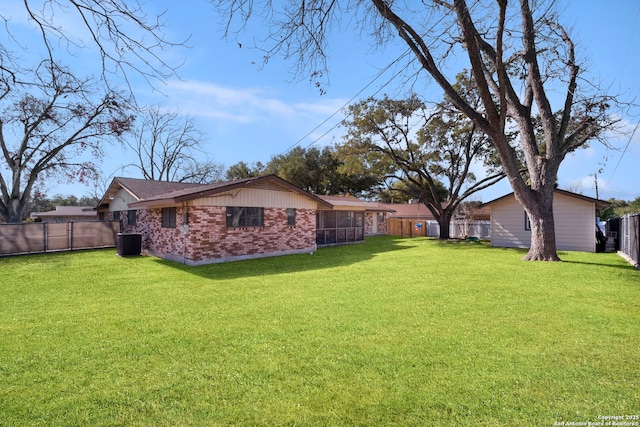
[244, 105]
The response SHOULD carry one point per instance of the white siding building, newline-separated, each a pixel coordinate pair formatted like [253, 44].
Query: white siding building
[574, 216]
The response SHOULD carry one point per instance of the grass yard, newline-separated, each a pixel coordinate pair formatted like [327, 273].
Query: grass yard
[389, 332]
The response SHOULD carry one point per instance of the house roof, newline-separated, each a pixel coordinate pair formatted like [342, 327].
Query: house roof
[600, 204]
[159, 193]
[350, 201]
[67, 211]
[420, 211]
[142, 189]
[410, 210]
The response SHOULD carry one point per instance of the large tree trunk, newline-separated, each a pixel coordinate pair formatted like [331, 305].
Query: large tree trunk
[445, 232]
[14, 212]
[444, 221]
[539, 208]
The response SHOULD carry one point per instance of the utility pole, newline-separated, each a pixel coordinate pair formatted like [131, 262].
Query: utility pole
[595, 177]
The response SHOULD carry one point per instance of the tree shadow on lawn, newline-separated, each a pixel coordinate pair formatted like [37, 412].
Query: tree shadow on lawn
[621, 264]
[323, 258]
[461, 243]
[599, 259]
[565, 258]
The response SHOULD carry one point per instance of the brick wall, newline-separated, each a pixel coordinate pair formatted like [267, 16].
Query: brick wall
[368, 223]
[208, 239]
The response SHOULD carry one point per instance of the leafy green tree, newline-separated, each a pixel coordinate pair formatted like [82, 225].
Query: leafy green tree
[396, 192]
[401, 191]
[634, 206]
[620, 208]
[41, 203]
[310, 169]
[320, 171]
[243, 170]
[431, 150]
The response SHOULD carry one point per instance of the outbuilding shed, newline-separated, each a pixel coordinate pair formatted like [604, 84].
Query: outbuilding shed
[574, 217]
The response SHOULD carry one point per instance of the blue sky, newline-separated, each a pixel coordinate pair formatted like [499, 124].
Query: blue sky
[251, 113]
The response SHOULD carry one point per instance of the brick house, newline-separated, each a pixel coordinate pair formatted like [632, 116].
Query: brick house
[249, 218]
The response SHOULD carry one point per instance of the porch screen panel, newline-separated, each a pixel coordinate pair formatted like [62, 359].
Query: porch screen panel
[328, 219]
[345, 219]
[339, 227]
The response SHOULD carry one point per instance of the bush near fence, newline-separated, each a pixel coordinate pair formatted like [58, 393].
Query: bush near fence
[44, 237]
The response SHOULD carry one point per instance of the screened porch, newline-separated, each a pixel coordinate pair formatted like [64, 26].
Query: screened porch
[337, 227]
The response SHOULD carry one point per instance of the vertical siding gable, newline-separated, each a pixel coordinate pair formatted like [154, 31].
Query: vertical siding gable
[253, 197]
[121, 201]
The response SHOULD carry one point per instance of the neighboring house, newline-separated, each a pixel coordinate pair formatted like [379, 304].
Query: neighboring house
[67, 214]
[349, 219]
[249, 218]
[574, 218]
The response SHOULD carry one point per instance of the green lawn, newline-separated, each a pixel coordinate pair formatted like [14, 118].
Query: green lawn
[389, 332]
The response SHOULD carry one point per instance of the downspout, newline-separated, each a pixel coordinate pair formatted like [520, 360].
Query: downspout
[184, 229]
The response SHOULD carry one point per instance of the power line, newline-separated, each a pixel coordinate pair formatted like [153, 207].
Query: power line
[635, 129]
[348, 102]
[384, 70]
[626, 149]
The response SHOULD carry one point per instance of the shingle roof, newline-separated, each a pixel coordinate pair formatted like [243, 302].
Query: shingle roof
[410, 210]
[68, 211]
[158, 192]
[144, 189]
[356, 203]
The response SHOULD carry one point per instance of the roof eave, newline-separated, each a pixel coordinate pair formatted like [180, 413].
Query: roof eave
[112, 189]
[157, 203]
[600, 204]
[249, 183]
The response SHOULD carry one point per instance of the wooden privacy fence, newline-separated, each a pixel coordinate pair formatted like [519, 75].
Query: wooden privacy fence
[407, 227]
[53, 237]
[430, 228]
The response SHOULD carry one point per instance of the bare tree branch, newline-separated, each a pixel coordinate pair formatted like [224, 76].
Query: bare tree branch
[168, 148]
[55, 123]
[126, 39]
